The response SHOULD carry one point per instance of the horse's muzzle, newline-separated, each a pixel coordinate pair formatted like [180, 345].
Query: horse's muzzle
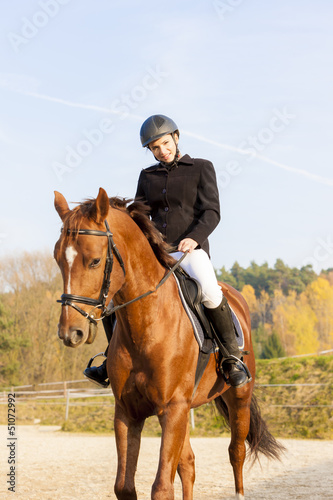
[74, 337]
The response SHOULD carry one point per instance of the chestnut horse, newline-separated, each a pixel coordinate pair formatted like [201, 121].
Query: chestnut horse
[109, 251]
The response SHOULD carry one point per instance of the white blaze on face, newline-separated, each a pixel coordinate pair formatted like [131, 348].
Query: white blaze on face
[70, 254]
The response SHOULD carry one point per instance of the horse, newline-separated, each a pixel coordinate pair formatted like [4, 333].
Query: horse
[112, 257]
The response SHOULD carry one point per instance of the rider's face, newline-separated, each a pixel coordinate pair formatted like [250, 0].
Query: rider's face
[164, 148]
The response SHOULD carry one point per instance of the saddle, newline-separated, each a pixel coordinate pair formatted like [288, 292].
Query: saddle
[191, 290]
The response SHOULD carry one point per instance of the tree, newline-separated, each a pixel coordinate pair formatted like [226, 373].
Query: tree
[259, 338]
[264, 303]
[6, 341]
[319, 294]
[10, 345]
[250, 297]
[30, 351]
[237, 273]
[226, 277]
[258, 276]
[295, 323]
[263, 278]
[273, 347]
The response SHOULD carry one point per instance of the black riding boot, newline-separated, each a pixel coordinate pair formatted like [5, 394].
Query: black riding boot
[223, 325]
[98, 374]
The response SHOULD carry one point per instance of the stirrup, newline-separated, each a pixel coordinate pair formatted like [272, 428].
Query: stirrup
[96, 356]
[101, 382]
[238, 361]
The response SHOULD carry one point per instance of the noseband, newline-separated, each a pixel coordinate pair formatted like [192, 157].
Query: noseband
[68, 299]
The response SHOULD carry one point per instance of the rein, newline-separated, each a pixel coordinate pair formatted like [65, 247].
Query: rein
[68, 299]
[163, 280]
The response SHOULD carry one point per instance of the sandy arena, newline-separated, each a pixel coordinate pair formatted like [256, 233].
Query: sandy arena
[52, 465]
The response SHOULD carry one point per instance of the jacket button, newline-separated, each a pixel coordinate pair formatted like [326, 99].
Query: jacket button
[164, 225]
[166, 209]
[164, 191]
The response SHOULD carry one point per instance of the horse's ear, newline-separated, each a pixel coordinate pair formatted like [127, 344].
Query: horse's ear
[61, 205]
[102, 206]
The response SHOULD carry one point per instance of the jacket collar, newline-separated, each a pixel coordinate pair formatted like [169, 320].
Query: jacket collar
[186, 160]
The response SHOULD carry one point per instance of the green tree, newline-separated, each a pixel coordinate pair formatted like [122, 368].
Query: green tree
[259, 277]
[10, 345]
[259, 339]
[265, 279]
[272, 348]
[6, 341]
[226, 277]
[237, 273]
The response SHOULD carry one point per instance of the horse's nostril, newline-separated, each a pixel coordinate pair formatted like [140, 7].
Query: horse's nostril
[76, 336]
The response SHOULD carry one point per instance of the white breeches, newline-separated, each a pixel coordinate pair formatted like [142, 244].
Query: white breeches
[199, 266]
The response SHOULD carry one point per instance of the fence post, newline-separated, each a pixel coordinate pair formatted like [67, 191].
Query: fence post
[67, 405]
[192, 418]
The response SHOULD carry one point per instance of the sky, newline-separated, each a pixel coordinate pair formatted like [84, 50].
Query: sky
[248, 82]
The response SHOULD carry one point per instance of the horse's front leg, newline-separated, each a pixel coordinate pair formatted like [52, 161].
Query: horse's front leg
[128, 438]
[186, 467]
[173, 421]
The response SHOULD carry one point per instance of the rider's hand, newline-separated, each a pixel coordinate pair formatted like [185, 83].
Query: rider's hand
[187, 244]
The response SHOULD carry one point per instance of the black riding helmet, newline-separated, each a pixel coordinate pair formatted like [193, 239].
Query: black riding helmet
[155, 127]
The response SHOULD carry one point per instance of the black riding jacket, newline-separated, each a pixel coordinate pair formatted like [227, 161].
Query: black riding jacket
[184, 200]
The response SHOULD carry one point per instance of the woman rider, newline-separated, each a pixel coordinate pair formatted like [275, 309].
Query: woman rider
[184, 205]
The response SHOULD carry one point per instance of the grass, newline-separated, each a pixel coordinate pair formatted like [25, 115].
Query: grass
[305, 411]
[290, 412]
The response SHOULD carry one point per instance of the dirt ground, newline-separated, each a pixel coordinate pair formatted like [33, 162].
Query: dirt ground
[53, 465]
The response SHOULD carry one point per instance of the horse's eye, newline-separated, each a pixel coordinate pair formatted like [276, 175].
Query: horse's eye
[95, 263]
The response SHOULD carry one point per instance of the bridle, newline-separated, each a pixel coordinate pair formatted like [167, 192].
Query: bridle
[68, 299]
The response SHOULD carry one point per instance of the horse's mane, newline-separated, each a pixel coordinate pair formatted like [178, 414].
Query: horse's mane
[137, 210]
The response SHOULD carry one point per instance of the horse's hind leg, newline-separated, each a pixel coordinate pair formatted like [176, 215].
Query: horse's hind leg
[128, 438]
[186, 467]
[238, 402]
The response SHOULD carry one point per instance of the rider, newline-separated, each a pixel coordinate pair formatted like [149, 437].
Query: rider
[184, 205]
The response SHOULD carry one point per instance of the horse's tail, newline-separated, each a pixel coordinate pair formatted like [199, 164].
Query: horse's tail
[259, 438]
